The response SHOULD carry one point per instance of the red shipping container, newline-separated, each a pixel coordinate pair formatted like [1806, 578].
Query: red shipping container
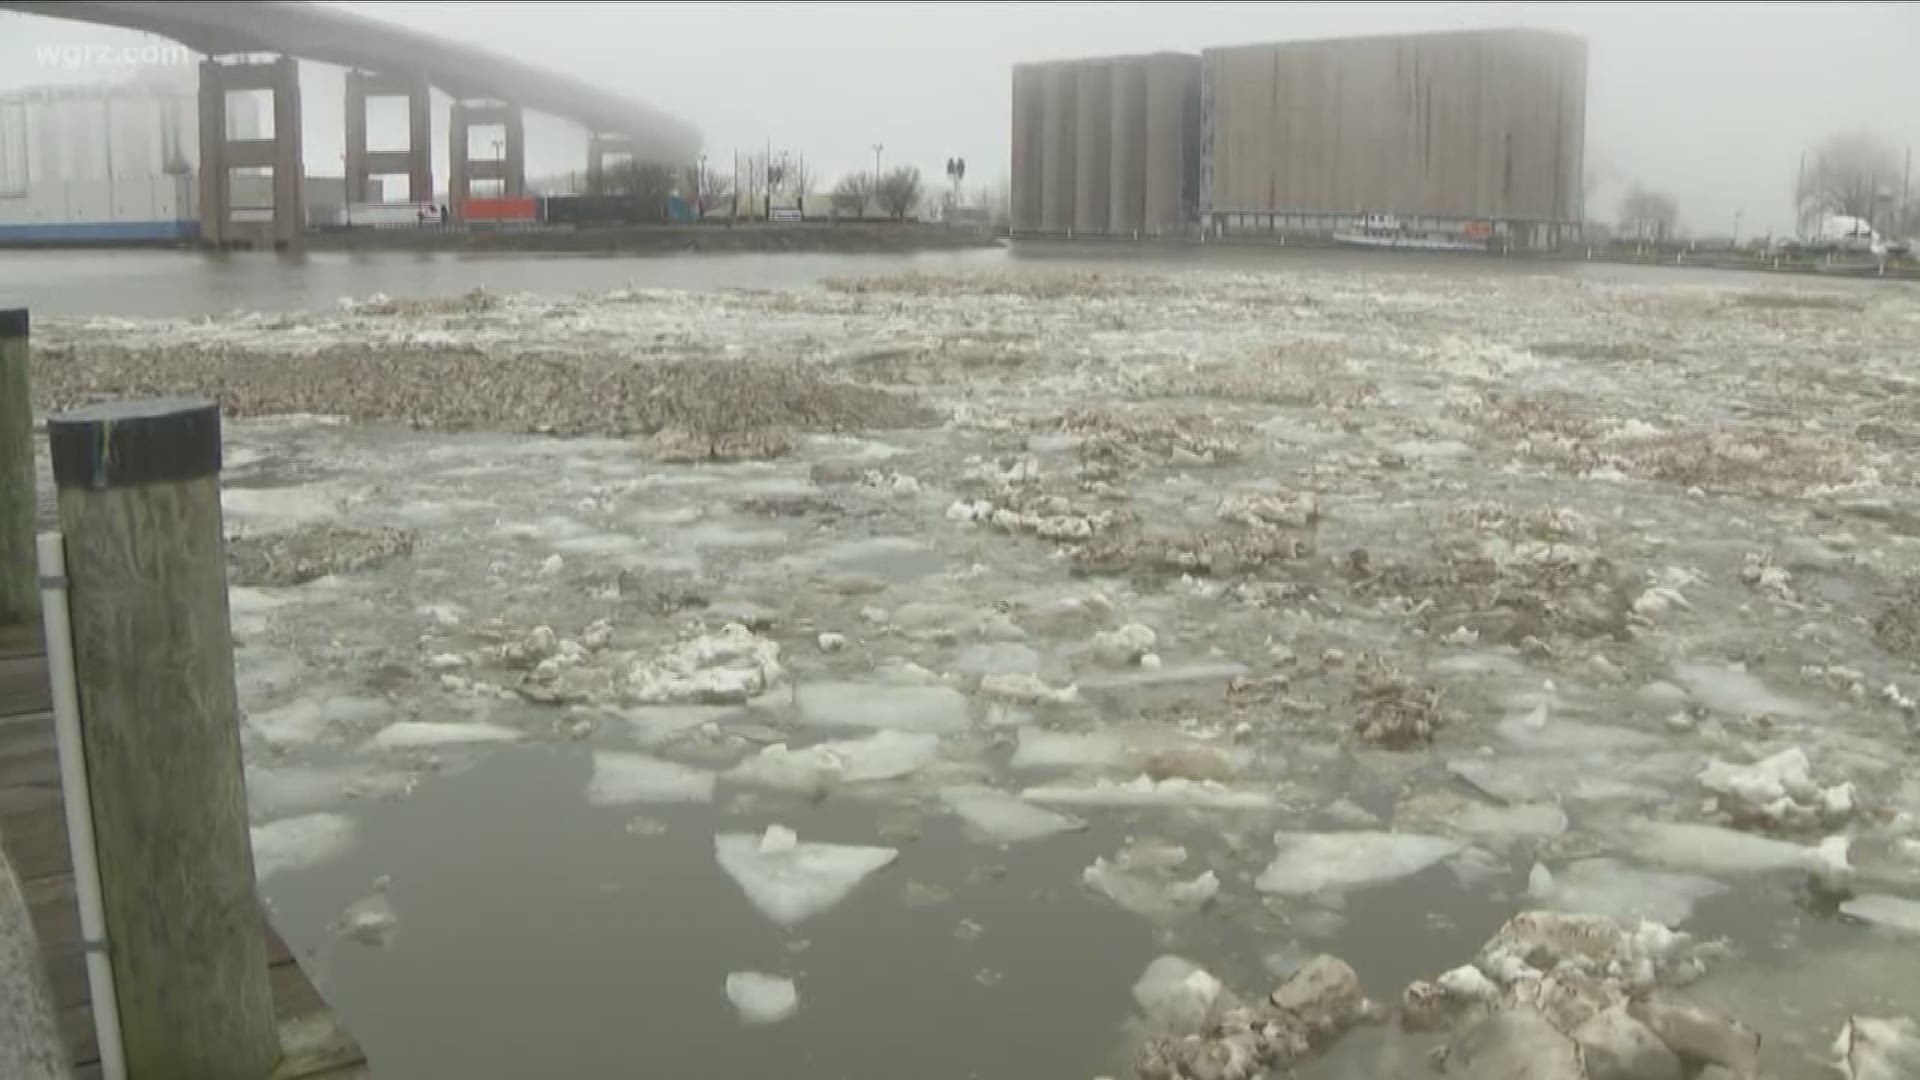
[526, 209]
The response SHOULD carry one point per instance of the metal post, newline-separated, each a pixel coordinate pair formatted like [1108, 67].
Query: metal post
[19, 591]
[139, 496]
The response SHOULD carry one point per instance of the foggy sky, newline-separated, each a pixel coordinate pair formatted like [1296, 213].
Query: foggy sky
[1711, 102]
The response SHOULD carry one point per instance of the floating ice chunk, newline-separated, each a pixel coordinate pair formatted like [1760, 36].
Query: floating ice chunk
[1166, 675]
[810, 769]
[1155, 896]
[1736, 693]
[369, 920]
[1176, 994]
[1310, 863]
[997, 658]
[937, 709]
[1027, 690]
[1892, 912]
[1002, 818]
[1125, 645]
[1612, 888]
[1710, 849]
[1040, 749]
[789, 881]
[1143, 791]
[1777, 790]
[664, 723]
[1534, 819]
[885, 755]
[762, 999]
[414, 734]
[1539, 733]
[1874, 1049]
[299, 842]
[308, 719]
[300, 789]
[729, 667]
[1467, 982]
[620, 779]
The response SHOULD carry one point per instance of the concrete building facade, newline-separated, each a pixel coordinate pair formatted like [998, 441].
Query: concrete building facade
[1106, 146]
[1448, 131]
[1472, 125]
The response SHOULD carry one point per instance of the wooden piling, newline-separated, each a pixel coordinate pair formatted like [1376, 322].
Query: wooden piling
[19, 582]
[30, 1045]
[139, 498]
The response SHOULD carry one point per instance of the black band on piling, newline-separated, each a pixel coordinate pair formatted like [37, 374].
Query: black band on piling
[13, 323]
[124, 443]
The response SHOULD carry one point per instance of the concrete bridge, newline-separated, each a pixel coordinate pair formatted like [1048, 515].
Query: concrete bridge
[257, 46]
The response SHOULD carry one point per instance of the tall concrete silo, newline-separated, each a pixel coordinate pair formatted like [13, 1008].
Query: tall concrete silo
[1172, 134]
[1058, 152]
[1029, 119]
[1092, 136]
[1127, 146]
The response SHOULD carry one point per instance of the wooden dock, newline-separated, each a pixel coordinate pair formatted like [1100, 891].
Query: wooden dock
[33, 828]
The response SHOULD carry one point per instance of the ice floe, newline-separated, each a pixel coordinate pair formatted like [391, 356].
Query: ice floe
[1143, 791]
[298, 843]
[418, 734]
[729, 667]
[1001, 818]
[790, 881]
[621, 779]
[937, 709]
[1603, 886]
[1310, 863]
[762, 998]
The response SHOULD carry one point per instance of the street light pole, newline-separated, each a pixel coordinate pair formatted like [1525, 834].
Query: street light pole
[1737, 214]
[876, 162]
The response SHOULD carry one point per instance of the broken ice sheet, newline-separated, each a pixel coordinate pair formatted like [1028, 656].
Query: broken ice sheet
[1733, 692]
[1891, 912]
[1176, 994]
[415, 734]
[998, 817]
[310, 718]
[885, 755]
[1156, 895]
[790, 881]
[299, 842]
[1709, 849]
[1610, 887]
[1310, 863]
[1143, 791]
[1042, 749]
[369, 920]
[936, 709]
[621, 779]
[761, 998]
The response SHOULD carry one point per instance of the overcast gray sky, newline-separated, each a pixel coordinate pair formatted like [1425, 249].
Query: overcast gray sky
[1712, 102]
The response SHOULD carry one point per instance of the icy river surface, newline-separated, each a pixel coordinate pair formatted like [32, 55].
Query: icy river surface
[1019, 668]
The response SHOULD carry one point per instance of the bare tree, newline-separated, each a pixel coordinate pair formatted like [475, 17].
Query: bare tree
[852, 193]
[899, 191]
[752, 181]
[1847, 174]
[708, 185]
[1648, 215]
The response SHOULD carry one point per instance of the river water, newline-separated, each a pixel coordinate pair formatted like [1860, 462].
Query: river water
[175, 283]
[561, 910]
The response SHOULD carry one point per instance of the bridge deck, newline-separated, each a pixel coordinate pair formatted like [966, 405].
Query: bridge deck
[33, 829]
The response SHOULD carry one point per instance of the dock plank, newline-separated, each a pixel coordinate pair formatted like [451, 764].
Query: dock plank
[33, 831]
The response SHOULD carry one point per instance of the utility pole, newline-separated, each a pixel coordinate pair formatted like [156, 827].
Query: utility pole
[1800, 200]
[876, 162]
[1906, 192]
[1737, 215]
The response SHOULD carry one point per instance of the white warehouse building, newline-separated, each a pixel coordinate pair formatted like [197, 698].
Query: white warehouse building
[106, 162]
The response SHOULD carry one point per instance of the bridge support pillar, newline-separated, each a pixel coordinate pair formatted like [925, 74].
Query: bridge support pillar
[508, 163]
[220, 155]
[415, 162]
[599, 149]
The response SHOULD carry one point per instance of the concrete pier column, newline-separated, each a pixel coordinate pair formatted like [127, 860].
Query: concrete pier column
[415, 162]
[599, 149]
[509, 167]
[1092, 133]
[1029, 118]
[1057, 150]
[1127, 147]
[282, 153]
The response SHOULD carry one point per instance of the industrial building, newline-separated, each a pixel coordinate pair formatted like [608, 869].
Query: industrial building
[1467, 133]
[1106, 146]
